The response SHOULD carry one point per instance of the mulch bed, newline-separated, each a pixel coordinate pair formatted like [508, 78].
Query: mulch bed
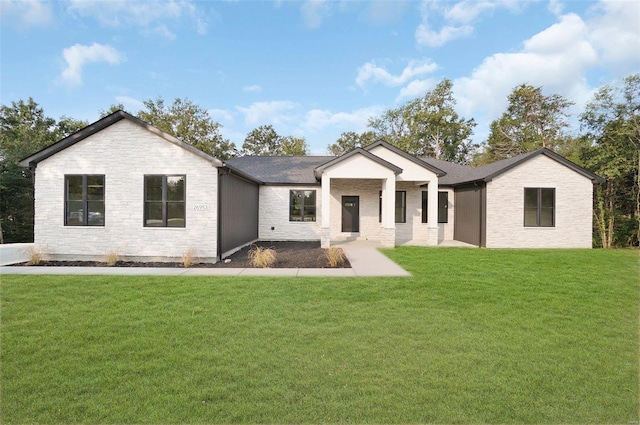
[288, 255]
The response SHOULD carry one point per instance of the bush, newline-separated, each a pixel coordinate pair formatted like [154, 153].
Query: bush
[111, 258]
[36, 255]
[335, 256]
[262, 257]
[187, 257]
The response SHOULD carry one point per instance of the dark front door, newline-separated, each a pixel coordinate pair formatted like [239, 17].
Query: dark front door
[350, 214]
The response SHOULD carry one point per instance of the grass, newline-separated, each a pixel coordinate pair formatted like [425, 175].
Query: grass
[475, 336]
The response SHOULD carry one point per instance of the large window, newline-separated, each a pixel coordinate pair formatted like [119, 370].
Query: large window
[539, 207]
[400, 207]
[84, 200]
[302, 205]
[443, 207]
[164, 201]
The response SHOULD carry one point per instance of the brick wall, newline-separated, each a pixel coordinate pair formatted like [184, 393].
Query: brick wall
[124, 153]
[274, 213]
[573, 208]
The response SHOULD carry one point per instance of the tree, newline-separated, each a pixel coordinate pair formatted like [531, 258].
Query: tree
[428, 126]
[612, 123]
[531, 121]
[265, 141]
[24, 129]
[190, 123]
[113, 108]
[261, 141]
[67, 126]
[293, 146]
[349, 141]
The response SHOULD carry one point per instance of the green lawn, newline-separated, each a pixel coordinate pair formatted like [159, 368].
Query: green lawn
[476, 336]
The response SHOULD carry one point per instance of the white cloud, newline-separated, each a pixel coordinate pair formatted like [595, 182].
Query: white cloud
[557, 59]
[154, 17]
[457, 19]
[427, 37]
[469, 10]
[371, 72]
[314, 11]
[556, 7]
[221, 115]
[274, 112]
[78, 55]
[615, 32]
[162, 31]
[416, 88]
[26, 13]
[252, 89]
[131, 104]
[318, 119]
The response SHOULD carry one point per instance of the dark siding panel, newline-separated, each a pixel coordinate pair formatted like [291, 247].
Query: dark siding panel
[238, 211]
[469, 215]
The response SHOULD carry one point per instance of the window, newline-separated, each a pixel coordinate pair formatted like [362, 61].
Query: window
[539, 207]
[425, 206]
[302, 205]
[84, 200]
[164, 201]
[400, 207]
[443, 207]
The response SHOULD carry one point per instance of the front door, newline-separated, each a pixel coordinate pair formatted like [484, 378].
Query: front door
[351, 214]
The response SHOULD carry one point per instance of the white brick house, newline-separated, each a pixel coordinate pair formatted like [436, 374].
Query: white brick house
[121, 185]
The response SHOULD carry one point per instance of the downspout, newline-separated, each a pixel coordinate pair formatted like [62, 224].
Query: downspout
[219, 233]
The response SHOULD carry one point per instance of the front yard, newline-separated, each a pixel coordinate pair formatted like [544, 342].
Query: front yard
[475, 336]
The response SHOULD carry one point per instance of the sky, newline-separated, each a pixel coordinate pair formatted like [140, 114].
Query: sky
[315, 68]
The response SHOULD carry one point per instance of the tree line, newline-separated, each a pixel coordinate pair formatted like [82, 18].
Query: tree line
[607, 144]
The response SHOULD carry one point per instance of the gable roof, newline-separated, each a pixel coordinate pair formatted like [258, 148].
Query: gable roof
[358, 151]
[461, 174]
[438, 171]
[33, 159]
[280, 169]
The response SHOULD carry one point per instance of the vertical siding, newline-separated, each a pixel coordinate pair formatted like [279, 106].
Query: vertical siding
[238, 211]
[469, 215]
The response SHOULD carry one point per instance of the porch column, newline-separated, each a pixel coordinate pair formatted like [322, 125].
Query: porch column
[432, 212]
[325, 237]
[388, 212]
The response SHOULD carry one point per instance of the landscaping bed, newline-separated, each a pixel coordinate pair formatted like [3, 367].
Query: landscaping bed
[289, 254]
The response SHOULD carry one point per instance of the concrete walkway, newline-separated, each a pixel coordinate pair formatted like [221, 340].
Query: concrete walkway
[365, 260]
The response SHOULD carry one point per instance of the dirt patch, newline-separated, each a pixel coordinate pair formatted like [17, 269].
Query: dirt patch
[288, 255]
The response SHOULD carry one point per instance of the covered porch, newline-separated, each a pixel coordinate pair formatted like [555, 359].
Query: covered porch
[381, 194]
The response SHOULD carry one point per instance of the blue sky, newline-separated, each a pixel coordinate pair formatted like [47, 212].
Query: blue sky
[315, 68]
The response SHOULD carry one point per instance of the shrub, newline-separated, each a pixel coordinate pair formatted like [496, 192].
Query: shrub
[262, 257]
[111, 258]
[335, 256]
[187, 257]
[36, 255]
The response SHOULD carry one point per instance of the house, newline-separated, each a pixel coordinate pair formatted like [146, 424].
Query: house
[121, 185]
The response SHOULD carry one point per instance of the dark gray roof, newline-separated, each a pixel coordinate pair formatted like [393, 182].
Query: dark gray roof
[100, 125]
[460, 174]
[280, 169]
